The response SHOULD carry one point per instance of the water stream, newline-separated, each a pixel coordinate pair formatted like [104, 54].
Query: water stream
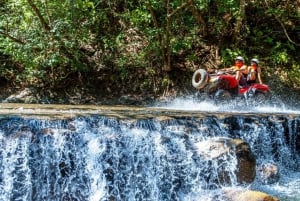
[93, 153]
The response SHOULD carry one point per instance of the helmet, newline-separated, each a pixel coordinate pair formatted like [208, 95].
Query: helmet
[255, 61]
[240, 58]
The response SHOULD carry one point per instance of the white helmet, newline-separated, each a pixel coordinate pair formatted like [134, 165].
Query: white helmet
[255, 61]
[240, 58]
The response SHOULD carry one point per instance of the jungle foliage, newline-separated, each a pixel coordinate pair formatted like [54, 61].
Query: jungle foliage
[142, 44]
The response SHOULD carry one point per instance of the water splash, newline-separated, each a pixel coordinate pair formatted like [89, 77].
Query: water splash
[236, 106]
[191, 105]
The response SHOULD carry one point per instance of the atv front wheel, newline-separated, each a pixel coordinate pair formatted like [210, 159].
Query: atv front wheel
[222, 96]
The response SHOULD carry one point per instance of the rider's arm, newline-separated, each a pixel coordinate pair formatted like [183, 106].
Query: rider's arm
[258, 75]
[229, 69]
[244, 68]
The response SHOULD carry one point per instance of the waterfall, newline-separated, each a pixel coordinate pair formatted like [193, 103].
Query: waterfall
[94, 157]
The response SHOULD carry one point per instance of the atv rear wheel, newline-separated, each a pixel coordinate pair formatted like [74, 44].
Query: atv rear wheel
[260, 98]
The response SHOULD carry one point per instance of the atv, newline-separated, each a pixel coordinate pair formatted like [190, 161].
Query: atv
[223, 87]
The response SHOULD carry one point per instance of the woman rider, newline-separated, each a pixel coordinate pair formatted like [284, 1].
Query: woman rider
[254, 72]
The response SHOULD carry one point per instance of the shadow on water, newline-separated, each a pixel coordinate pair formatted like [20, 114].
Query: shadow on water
[117, 153]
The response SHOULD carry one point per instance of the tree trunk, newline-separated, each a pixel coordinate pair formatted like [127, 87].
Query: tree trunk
[167, 65]
[159, 35]
[239, 21]
[197, 15]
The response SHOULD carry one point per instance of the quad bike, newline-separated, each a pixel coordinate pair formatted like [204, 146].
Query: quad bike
[223, 86]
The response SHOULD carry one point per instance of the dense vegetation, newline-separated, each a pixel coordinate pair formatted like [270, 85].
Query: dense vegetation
[145, 47]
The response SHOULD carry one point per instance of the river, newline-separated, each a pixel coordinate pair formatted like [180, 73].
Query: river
[118, 153]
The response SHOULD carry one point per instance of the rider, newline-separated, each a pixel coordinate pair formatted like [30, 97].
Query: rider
[240, 69]
[254, 70]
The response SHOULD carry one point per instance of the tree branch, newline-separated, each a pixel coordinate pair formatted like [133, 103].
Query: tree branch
[197, 15]
[153, 16]
[283, 27]
[12, 38]
[179, 8]
[285, 31]
[45, 26]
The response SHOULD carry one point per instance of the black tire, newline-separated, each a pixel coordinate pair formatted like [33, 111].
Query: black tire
[222, 96]
[260, 98]
[200, 78]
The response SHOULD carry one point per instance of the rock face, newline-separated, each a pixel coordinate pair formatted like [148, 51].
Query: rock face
[24, 96]
[248, 195]
[218, 150]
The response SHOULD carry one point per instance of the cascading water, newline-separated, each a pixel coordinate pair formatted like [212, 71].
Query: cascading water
[98, 157]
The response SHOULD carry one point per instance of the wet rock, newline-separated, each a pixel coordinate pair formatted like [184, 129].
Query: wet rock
[22, 134]
[128, 100]
[71, 126]
[225, 152]
[268, 173]
[47, 131]
[24, 96]
[248, 195]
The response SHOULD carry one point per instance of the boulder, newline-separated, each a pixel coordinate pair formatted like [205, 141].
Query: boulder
[233, 158]
[268, 173]
[248, 195]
